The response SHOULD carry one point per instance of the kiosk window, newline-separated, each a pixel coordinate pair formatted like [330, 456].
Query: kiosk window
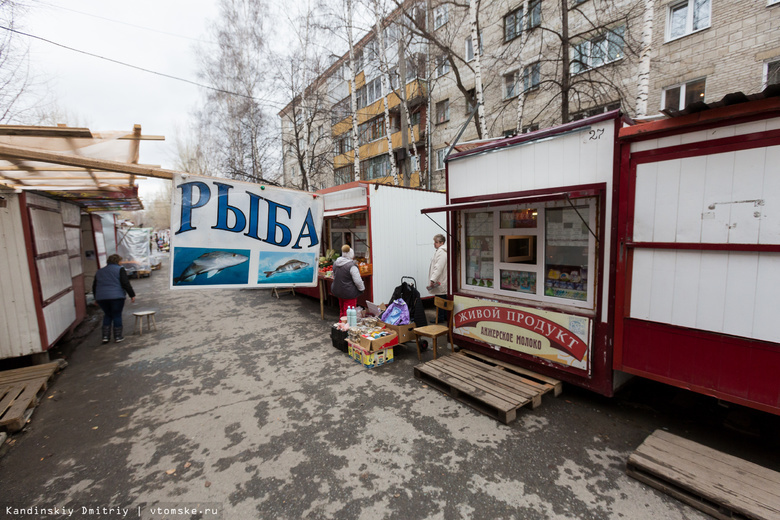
[542, 251]
[479, 249]
[566, 253]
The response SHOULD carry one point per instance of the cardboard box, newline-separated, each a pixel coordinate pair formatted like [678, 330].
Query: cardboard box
[374, 345]
[369, 359]
[405, 332]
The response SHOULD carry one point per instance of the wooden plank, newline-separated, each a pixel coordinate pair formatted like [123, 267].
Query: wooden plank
[14, 419]
[513, 388]
[486, 385]
[32, 372]
[699, 503]
[710, 472]
[505, 416]
[556, 385]
[9, 395]
[711, 477]
[760, 473]
[465, 386]
[498, 373]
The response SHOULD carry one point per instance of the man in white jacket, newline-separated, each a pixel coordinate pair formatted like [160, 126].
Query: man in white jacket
[437, 273]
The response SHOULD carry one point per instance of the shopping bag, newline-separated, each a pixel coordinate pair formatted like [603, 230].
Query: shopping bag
[397, 313]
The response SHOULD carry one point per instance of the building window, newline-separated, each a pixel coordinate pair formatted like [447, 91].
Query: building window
[358, 62]
[344, 174]
[415, 118]
[360, 97]
[534, 13]
[470, 48]
[471, 100]
[680, 96]
[531, 128]
[373, 90]
[372, 130]
[772, 72]
[510, 85]
[376, 167]
[343, 144]
[687, 17]
[441, 153]
[440, 16]
[542, 251]
[594, 111]
[443, 111]
[600, 50]
[513, 24]
[531, 76]
[442, 66]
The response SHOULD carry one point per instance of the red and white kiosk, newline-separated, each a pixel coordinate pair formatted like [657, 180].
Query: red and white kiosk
[601, 249]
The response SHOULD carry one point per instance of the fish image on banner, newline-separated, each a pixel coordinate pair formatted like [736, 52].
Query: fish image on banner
[286, 268]
[200, 266]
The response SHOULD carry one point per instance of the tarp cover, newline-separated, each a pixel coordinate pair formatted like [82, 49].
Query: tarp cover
[134, 249]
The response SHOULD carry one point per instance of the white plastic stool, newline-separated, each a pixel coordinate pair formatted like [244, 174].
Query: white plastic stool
[139, 319]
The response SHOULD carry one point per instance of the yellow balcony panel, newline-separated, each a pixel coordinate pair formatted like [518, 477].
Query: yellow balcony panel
[414, 89]
[414, 180]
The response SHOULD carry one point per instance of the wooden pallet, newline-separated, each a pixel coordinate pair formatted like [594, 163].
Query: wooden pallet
[721, 485]
[548, 382]
[487, 388]
[20, 392]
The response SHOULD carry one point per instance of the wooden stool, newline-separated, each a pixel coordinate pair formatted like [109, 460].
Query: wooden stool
[139, 319]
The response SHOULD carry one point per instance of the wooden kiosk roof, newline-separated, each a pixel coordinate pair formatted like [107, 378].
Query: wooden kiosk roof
[97, 171]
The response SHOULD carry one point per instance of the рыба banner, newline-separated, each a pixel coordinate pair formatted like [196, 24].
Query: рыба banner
[231, 234]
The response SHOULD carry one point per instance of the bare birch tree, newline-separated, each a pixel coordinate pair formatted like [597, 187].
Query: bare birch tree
[233, 118]
[17, 96]
[384, 73]
[349, 4]
[306, 139]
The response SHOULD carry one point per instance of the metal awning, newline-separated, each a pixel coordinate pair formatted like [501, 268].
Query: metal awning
[505, 201]
[342, 212]
[97, 171]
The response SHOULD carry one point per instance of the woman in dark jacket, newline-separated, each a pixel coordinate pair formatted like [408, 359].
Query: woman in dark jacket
[347, 283]
[109, 287]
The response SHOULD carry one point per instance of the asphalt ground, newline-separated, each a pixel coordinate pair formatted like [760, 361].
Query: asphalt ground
[239, 407]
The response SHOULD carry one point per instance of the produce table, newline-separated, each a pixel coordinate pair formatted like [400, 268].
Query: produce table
[324, 283]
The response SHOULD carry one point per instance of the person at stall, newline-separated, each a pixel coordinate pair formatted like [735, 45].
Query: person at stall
[437, 273]
[109, 287]
[347, 283]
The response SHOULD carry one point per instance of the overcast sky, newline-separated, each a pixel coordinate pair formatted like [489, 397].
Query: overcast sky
[159, 35]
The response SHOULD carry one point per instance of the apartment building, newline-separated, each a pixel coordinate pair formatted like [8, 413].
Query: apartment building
[527, 65]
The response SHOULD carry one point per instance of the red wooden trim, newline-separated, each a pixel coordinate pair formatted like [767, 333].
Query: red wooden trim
[726, 144]
[58, 295]
[622, 199]
[50, 254]
[369, 231]
[346, 211]
[44, 208]
[575, 191]
[36, 284]
[706, 246]
[93, 234]
[703, 390]
[733, 114]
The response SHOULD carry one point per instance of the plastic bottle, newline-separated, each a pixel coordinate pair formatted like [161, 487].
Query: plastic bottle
[351, 321]
[354, 317]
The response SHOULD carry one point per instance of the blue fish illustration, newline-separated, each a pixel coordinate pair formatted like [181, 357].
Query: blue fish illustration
[292, 265]
[210, 263]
